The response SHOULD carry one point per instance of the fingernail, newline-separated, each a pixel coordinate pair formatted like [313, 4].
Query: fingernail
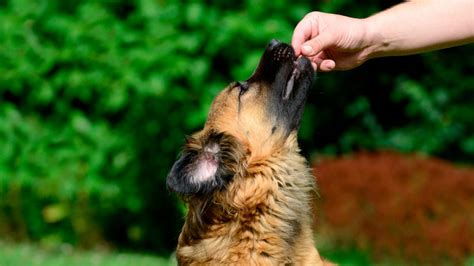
[306, 49]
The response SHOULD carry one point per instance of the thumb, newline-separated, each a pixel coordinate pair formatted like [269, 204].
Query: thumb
[317, 44]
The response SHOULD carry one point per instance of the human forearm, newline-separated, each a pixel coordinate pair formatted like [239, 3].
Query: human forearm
[419, 26]
[335, 42]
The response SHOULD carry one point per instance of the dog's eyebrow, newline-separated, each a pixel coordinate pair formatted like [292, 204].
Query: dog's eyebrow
[233, 84]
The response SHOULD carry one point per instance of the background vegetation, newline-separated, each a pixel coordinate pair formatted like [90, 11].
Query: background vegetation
[97, 95]
[421, 206]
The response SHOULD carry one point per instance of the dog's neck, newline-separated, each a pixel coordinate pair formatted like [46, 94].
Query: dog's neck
[260, 200]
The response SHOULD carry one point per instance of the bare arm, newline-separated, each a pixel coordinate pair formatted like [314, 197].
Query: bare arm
[420, 26]
[335, 42]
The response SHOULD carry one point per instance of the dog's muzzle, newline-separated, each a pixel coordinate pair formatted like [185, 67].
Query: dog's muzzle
[279, 65]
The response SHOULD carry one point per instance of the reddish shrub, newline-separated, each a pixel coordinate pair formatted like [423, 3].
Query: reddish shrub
[410, 206]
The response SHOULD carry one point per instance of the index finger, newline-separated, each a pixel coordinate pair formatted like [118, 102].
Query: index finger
[303, 32]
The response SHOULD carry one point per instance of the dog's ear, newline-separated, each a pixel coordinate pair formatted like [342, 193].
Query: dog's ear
[206, 164]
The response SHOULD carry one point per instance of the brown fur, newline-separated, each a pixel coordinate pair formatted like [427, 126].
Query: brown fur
[263, 215]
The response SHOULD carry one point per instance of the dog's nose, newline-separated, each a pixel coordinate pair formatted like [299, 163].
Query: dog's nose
[279, 52]
[276, 56]
[283, 53]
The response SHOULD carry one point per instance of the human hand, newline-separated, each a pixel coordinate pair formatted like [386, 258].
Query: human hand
[331, 42]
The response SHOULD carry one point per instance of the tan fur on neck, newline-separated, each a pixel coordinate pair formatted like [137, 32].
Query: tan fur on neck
[262, 218]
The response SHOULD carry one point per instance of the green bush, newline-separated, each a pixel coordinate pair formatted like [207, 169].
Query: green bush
[97, 95]
[96, 99]
[419, 103]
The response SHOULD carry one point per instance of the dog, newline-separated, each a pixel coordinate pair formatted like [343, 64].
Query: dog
[247, 188]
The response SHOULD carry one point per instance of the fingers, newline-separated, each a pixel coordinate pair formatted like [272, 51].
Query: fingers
[303, 32]
[317, 44]
[327, 65]
[308, 41]
[322, 63]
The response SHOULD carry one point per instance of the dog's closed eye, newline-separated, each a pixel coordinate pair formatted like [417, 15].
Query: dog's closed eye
[243, 86]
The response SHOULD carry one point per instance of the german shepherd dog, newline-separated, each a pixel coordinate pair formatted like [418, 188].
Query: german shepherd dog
[247, 188]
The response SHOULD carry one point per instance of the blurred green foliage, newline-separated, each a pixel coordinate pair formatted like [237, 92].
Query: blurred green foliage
[97, 95]
[419, 103]
[64, 255]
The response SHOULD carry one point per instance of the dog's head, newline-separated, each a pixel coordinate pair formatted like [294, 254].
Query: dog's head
[248, 120]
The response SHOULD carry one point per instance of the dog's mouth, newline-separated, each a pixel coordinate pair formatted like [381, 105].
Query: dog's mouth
[283, 70]
[288, 79]
[298, 68]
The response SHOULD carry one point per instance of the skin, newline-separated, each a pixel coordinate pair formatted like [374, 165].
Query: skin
[336, 42]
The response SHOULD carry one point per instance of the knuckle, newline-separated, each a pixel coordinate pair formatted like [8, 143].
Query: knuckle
[311, 15]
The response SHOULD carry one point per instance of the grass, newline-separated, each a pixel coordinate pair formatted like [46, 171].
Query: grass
[346, 257]
[33, 255]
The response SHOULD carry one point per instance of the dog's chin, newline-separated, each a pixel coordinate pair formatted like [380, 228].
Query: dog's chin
[295, 91]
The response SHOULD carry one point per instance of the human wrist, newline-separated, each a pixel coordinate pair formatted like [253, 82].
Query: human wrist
[377, 45]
